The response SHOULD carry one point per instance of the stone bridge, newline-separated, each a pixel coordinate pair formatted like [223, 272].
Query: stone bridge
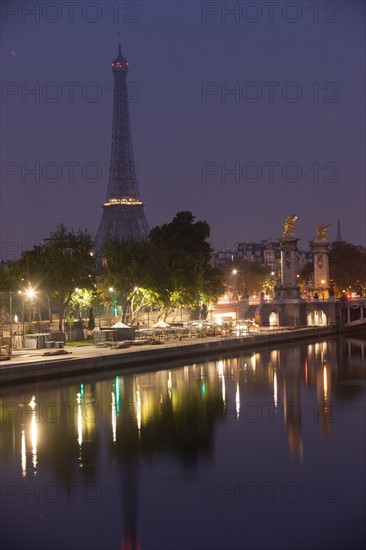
[312, 312]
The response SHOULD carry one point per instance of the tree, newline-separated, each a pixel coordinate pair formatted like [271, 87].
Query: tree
[91, 322]
[185, 253]
[82, 299]
[251, 277]
[125, 276]
[169, 270]
[6, 284]
[306, 273]
[63, 262]
[29, 273]
[213, 284]
[347, 266]
[5, 278]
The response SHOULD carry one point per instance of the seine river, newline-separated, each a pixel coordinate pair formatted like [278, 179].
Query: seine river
[253, 451]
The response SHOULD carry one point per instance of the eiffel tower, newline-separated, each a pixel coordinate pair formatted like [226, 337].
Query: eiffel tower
[123, 215]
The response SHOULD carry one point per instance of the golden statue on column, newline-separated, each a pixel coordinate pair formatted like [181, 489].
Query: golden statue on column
[321, 232]
[289, 226]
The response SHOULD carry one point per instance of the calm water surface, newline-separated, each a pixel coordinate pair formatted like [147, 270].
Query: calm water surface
[257, 451]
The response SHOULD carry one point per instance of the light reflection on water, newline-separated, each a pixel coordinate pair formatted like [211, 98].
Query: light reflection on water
[197, 456]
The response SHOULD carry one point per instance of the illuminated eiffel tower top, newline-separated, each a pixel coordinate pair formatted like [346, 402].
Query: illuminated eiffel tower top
[123, 215]
[122, 172]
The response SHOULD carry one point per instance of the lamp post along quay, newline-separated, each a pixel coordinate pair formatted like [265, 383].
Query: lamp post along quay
[235, 293]
[29, 293]
[11, 320]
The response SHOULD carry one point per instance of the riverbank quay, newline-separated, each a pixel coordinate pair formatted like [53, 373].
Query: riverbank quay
[32, 366]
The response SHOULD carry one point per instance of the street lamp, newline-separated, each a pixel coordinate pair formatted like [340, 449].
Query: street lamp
[115, 309]
[322, 282]
[235, 272]
[20, 292]
[29, 293]
[111, 290]
[235, 289]
[273, 283]
[11, 320]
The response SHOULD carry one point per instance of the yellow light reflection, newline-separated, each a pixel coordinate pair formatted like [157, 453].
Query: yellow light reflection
[23, 455]
[275, 395]
[34, 435]
[325, 383]
[169, 385]
[221, 368]
[138, 409]
[221, 375]
[253, 360]
[237, 401]
[32, 403]
[223, 390]
[306, 372]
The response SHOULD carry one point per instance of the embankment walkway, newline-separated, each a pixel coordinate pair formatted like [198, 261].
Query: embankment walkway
[32, 365]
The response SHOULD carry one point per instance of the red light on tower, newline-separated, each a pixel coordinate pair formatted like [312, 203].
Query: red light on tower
[120, 62]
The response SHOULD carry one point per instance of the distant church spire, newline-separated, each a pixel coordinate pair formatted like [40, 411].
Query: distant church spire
[339, 233]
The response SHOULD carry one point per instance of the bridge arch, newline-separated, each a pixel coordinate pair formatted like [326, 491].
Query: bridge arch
[274, 319]
[316, 317]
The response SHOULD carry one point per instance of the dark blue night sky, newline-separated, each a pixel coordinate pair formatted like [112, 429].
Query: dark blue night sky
[297, 113]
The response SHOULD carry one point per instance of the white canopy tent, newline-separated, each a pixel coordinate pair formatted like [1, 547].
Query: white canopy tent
[161, 324]
[120, 325]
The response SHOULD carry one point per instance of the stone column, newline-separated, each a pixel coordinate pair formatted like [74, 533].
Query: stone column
[292, 308]
[288, 289]
[320, 250]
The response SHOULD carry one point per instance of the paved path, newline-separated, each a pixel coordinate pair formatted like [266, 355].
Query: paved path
[33, 365]
[83, 352]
